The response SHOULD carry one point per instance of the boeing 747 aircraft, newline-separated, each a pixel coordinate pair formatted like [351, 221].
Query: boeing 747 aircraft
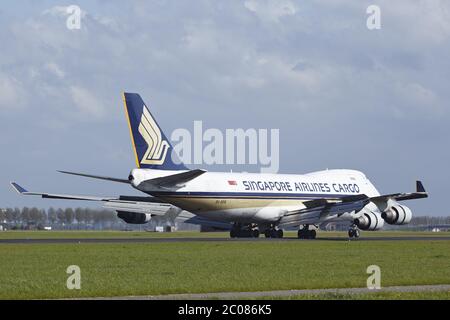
[247, 204]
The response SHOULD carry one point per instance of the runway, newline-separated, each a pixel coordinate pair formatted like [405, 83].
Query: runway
[209, 239]
[279, 293]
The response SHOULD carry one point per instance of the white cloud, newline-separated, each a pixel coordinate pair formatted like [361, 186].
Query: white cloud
[86, 102]
[54, 69]
[271, 10]
[220, 48]
[61, 11]
[415, 95]
[12, 94]
[87, 20]
[426, 21]
[201, 37]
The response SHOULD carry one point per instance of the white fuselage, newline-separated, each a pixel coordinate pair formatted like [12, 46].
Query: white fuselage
[252, 197]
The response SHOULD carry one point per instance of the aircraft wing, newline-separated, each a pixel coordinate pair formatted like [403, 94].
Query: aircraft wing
[419, 194]
[171, 181]
[318, 209]
[146, 205]
[131, 204]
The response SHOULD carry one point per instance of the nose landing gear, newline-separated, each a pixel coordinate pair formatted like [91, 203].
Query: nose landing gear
[353, 232]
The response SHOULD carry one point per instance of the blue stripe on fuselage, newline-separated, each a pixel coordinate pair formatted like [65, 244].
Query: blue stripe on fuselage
[248, 195]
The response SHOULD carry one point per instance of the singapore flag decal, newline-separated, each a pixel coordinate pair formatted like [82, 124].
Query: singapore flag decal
[232, 182]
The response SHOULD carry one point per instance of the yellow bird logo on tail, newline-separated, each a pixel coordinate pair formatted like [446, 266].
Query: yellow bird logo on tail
[157, 147]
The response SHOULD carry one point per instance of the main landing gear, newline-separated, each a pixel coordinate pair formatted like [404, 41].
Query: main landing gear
[239, 231]
[273, 233]
[353, 232]
[305, 233]
[252, 231]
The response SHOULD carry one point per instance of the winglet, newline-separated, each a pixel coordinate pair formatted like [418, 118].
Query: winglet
[18, 188]
[419, 186]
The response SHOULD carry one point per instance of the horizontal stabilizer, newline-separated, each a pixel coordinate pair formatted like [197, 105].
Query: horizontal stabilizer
[175, 180]
[96, 177]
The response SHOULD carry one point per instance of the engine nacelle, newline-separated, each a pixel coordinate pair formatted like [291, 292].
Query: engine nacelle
[397, 214]
[369, 221]
[134, 218]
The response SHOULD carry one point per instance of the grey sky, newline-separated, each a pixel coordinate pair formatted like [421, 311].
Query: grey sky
[342, 96]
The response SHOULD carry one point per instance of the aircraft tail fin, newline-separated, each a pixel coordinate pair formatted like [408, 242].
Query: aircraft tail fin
[152, 148]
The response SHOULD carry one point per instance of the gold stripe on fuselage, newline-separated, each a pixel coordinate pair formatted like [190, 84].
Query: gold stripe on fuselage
[199, 204]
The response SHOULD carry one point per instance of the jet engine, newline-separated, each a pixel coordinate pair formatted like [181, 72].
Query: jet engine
[134, 218]
[397, 214]
[369, 220]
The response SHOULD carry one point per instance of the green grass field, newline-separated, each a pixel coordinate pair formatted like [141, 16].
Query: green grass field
[39, 270]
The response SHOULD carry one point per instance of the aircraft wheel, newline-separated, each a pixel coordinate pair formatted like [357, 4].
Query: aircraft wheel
[354, 233]
[233, 234]
[279, 233]
[255, 233]
[305, 233]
